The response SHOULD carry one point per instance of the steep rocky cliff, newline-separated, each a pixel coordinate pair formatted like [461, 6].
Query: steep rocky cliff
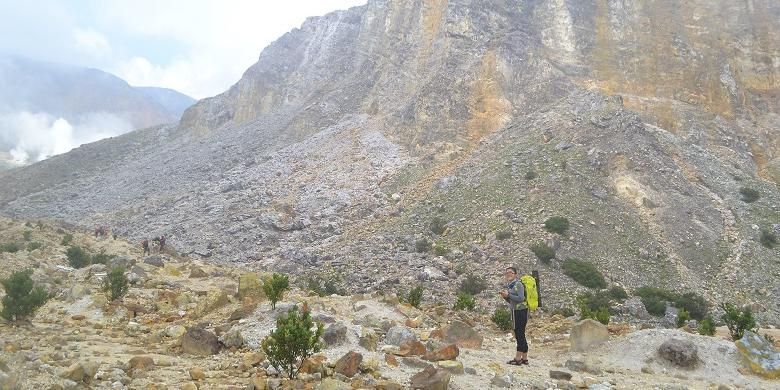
[638, 121]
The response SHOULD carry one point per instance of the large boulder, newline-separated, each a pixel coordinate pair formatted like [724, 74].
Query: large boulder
[586, 334]
[759, 355]
[431, 378]
[449, 352]
[462, 335]
[200, 342]
[349, 364]
[398, 335]
[682, 353]
[335, 334]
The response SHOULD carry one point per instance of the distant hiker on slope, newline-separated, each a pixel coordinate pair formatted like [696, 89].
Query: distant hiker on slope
[516, 298]
[162, 242]
[145, 245]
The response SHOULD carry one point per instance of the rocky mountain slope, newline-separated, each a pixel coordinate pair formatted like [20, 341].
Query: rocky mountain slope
[190, 324]
[640, 123]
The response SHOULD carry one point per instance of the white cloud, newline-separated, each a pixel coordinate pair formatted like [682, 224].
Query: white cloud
[37, 136]
[92, 42]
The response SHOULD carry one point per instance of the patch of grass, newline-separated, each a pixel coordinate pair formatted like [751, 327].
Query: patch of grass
[27, 235]
[502, 318]
[422, 245]
[749, 195]
[768, 239]
[325, 284]
[504, 235]
[584, 273]
[707, 327]
[564, 311]
[439, 249]
[655, 300]
[66, 239]
[618, 293]
[682, 317]
[10, 247]
[77, 257]
[465, 302]
[33, 246]
[557, 225]
[101, 258]
[530, 175]
[601, 315]
[438, 226]
[543, 251]
[473, 284]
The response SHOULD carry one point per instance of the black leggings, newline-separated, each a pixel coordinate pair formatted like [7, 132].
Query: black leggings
[521, 320]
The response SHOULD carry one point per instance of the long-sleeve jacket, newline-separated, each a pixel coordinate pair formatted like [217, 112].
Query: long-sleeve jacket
[516, 297]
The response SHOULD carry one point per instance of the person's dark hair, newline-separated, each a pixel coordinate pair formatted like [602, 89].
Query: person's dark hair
[513, 269]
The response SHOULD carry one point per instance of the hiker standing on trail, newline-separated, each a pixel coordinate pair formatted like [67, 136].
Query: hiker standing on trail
[515, 296]
[162, 242]
[145, 245]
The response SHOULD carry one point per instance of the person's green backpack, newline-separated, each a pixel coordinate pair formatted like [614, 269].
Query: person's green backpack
[531, 294]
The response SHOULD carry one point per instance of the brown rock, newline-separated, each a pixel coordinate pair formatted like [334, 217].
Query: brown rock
[141, 363]
[243, 311]
[189, 386]
[197, 272]
[200, 342]
[349, 364]
[253, 358]
[78, 317]
[463, 335]
[391, 360]
[449, 352]
[586, 334]
[388, 385]
[412, 348]
[258, 383]
[197, 374]
[313, 364]
[431, 379]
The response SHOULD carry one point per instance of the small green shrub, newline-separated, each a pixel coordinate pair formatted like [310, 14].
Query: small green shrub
[564, 311]
[461, 268]
[33, 246]
[422, 245]
[414, 297]
[600, 315]
[655, 300]
[530, 175]
[77, 257]
[440, 249]
[543, 251]
[707, 327]
[595, 301]
[749, 195]
[10, 247]
[584, 273]
[618, 293]
[504, 235]
[768, 239]
[557, 225]
[27, 235]
[295, 338]
[325, 283]
[28, 224]
[502, 318]
[274, 288]
[682, 317]
[115, 284]
[473, 284]
[66, 239]
[465, 302]
[21, 297]
[101, 258]
[438, 226]
[738, 321]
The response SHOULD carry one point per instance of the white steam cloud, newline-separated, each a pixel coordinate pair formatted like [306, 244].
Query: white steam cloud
[31, 137]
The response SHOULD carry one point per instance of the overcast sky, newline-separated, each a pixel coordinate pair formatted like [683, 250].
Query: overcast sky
[198, 47]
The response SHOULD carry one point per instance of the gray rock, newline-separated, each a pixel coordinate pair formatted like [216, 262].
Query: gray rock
[562, 375]
[232, 339]
[586, 334]
[682, 353]
[398, 335]
[502, 380]
[335, 334]
[156, 261]
[200, 342]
